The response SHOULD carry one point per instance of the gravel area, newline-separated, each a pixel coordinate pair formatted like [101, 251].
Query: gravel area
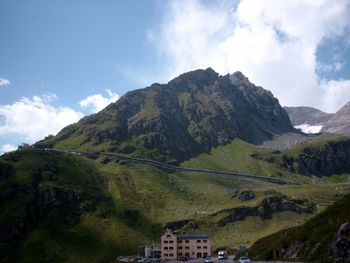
[287, 140]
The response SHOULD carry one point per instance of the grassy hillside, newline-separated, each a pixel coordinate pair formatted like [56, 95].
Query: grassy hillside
[101, 208]
[67, 212]
[312, 240]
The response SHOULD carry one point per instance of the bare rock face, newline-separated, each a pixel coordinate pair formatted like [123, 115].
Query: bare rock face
[176, 225]
[307, 115]
[340, 122]
[331, 158]
[266, 209]
[341, 246]
[246, 195]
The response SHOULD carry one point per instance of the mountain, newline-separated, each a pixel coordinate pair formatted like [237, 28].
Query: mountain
[340, 122]
[307, 115]
[308, 119]
[192, 113]
[324, 238]
[70, 207]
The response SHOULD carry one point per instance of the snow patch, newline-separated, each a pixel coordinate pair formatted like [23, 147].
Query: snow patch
[306, 128]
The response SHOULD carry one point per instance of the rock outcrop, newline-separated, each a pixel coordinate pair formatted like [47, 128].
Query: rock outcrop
[323, 238]
[246, 195]
[176, 225]
[341, 245]
[332, 157]
[340, 122]
[266, 209]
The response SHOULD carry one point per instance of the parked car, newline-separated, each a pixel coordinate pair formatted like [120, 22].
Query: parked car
[222, 254]
[244, 260]
[208, 260]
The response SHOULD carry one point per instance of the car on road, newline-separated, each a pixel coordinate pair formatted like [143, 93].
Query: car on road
[244, 260]
[208, 260]
[222, 254]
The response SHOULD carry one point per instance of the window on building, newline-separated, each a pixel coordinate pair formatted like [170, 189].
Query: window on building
[205, 241]
[205, 247]
[199, 247]
[165, 247]
[165, 241]
[171, 247]
[187, 254]
[168, 235]
[165, 255]
[171, 255]
[187, 247]
[180, 254]
[205, 254]
[187, 241]
[198, 241]
[171, 241]
[180, 241]
[180, 247]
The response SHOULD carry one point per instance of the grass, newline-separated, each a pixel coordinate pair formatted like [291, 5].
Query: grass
[238, 156]
[316, 235]
[126, 205]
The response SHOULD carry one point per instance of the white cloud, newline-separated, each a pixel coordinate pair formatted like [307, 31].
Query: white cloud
[272, 42]
[336, 93]
[4, 82]
[34, 118]
[336, 66]
[7, 148]
[95, 103]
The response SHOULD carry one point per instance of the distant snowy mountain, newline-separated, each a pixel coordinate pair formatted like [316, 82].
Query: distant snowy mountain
[308, 119]
[306, 128]
[340, 121]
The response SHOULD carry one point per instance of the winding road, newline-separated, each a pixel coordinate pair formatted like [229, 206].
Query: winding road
[173, 168]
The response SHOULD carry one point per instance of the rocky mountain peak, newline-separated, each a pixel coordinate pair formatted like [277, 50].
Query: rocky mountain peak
[206, 76]
[192, 113]
[239, 79]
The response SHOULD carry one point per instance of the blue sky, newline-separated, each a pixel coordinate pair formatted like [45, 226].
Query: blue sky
[61, 60]
[73, 48]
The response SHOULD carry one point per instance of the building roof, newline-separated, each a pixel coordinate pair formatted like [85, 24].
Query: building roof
[192, 236]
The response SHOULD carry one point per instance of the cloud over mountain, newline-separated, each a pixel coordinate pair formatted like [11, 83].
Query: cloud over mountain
[97, 102]
[274, 43]
[36, 117]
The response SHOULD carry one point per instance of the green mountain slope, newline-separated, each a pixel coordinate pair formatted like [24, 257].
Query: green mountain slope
[191, 114]
[57, 207]
[324, 238]
[78, 209]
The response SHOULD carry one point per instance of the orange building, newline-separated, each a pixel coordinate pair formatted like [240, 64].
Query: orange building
[175, 246]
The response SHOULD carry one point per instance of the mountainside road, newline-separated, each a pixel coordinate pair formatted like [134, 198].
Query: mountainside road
[173, 168]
